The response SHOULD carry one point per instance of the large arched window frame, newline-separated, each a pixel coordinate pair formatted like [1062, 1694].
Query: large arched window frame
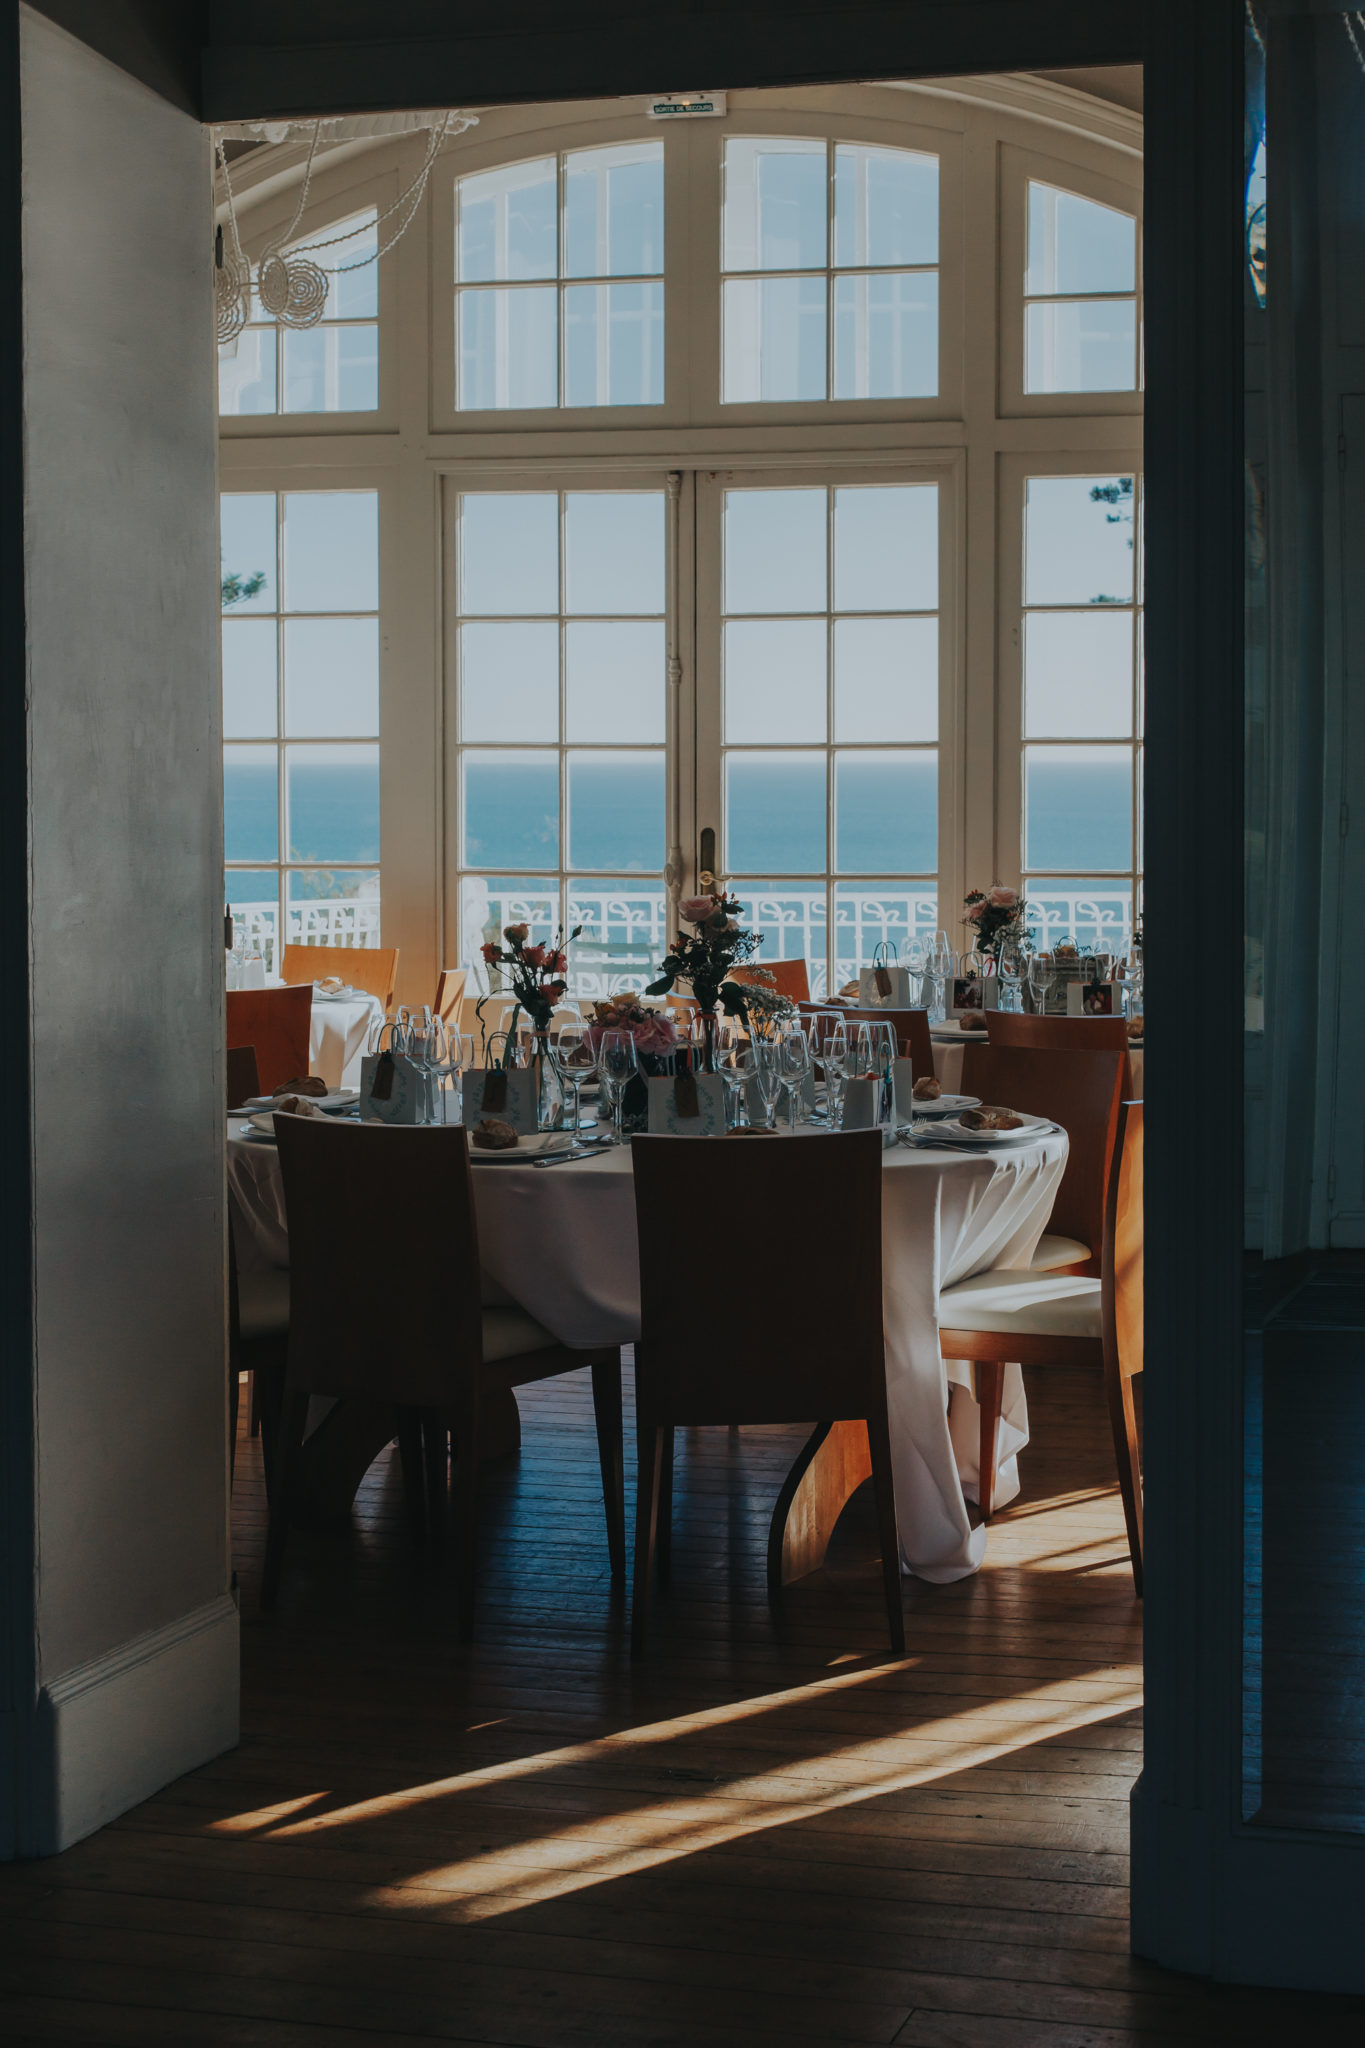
[977, 436]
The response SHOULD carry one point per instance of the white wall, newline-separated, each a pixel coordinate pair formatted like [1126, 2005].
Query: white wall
[136, 1632]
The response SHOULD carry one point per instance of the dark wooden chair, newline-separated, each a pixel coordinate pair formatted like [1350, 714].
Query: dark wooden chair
[402, 1323]
[1056, 1034]
[243, 1081]
[911, 1026]
[1080, 1091]
[275, 1022]
[1031, 1318]
[373, 968]
[806, 1352]
[258, 1334]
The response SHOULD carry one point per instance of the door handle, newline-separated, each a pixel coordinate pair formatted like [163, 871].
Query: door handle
[706, 858]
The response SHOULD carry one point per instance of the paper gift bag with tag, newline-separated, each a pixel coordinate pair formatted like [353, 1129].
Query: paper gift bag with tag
[392, 1089]
[687, 1105]
[885, 985]
[867, 1105]
[508, 1093]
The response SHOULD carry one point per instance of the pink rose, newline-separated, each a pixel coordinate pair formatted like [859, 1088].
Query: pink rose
[696, 909]
[1002, 899]
[656, 1034]
[976, 913]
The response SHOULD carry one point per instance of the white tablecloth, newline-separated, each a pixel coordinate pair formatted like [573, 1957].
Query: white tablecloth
[341, 1033]
[562, 1243]
[948, 1061]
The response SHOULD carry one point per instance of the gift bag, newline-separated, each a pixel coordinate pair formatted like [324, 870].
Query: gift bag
[507, 1093]
[885, 985]
[687, 1105]
[392, 1089]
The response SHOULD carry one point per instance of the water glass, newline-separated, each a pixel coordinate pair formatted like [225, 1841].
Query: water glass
[1010, 971]
[571, 1055]
[736, 1065]
[770, 1076]
[1042, 973]
[794, 1050]
[617, 1065]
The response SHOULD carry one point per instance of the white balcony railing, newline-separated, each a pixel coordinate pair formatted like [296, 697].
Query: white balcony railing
[330, 921]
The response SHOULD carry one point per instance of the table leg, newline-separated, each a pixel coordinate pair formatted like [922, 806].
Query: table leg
[831, 1466]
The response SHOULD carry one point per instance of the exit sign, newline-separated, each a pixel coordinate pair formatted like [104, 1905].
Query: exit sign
[667, 104]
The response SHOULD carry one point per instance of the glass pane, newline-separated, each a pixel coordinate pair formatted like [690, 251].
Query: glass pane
[1080, 345]
[872, 914]
[331, 551]
[1078, 807]
[775, 813]
[508, 349]
[623, 938]
[886, 549]
[253, 895]
[775, 681]
[614, 551]
[791, 917]
[358, 887]
[616, 811]
[249, 695]
[886, 335]
[1094, 914]
[489, 903]
[506, 224]
[885, 206]
[246, 373]
[886, 680]
[886, 812]
[331, 678]
[353, 281]
[774, 215]
[1078, 540]
[511, 810]
[614, 211]
[509, 552]
[614, 682]
[251, 805]
[614, 344]
[509, 682]
[333, 799]
[331, 369]
[1078, 675]
[247, 526]
[774, 339]
[1076, 245]
[775, 554]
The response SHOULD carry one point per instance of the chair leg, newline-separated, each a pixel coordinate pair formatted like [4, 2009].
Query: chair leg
[884, 1493]
[293, 1420]
[649, 1455]
[435, 1447]
[1118, 1391]
[663, 1526]
[606, 1403]
[410, 1457]
[990, 1397]
[234, 1409]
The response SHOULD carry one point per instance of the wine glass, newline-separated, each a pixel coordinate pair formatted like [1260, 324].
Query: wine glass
[769, 1076]
[794, 1053]
[617, 1065]
[1042, 973]
[835, 1048]
[939, 969]
[426, 1050]
[571, 1055]
[1010, 972]
[736, 1065]
[459, 1054]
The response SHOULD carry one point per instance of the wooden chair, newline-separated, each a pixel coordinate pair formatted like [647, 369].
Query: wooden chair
[792, 1354]
[1081, 1092]
[373, 968]
[912, 1031]
[1057, 1034]
[1031, 1318]
[408, 1330]
[450, 993]
[789, 977]
[275, 1021]
[243, 1081]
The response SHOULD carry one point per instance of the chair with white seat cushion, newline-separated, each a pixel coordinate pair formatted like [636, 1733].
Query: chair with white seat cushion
[1026, 1317]
[394, 1316]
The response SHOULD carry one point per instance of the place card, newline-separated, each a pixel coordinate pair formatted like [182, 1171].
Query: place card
[392, 1089]
[669, 1105]
[1094, 998]
[508, 1093]
[974, 993]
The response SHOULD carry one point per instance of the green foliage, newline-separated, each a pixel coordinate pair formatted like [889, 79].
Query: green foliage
[237, 588]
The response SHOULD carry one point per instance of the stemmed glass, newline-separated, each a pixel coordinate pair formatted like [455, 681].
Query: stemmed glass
[616, 1066]
[1010, 972]
[939, 966]
[572, 1058]
[426, 1049]
[835, 1052]
[770, 1076]
[1041, 976]
[794, 1053]
[736, 1065]
[459, 1054]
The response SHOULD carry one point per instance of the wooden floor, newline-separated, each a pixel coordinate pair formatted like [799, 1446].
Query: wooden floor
[765, 1835]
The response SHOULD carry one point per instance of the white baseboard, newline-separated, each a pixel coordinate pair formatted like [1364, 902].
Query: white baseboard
[117, 1729]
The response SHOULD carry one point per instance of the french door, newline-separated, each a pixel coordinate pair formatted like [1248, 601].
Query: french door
[658, 676]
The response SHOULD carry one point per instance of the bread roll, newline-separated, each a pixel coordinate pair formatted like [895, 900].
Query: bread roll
[493, 1135]
[988, 1118]
[927, 1090]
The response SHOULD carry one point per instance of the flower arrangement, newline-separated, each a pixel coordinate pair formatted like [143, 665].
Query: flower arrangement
[994, 915]
[537, 975]
[652, 1031]
[766, 1007]
[704, 957]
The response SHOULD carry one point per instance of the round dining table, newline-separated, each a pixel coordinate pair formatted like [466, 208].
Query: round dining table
[341, 1030]
[560, 1241]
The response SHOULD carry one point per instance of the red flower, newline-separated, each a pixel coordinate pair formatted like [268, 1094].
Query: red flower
[534, 956]
[556, 963]
[491, 953]
[555, 989]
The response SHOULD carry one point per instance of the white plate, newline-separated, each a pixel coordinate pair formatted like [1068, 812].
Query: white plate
[1032, 1127]
[543, 1145]
[946, 1105]
[336, 995]
[338, 1098]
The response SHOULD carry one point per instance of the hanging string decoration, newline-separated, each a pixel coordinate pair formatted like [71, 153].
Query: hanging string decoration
[231, 272]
